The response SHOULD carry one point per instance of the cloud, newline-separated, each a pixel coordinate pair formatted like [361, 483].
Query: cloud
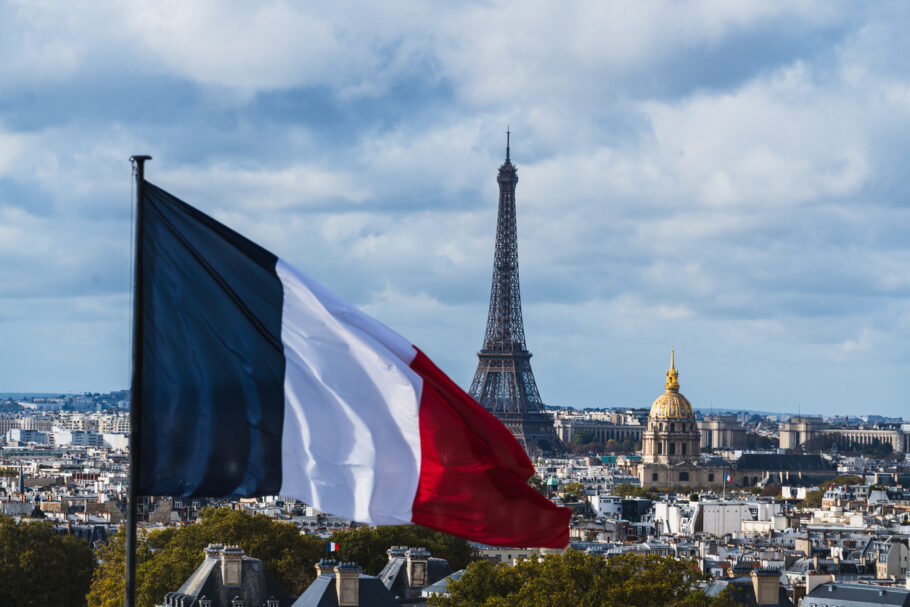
[724, 177]
[779, 140]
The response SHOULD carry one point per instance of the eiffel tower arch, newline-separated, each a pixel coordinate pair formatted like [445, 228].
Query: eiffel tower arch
[504, 383]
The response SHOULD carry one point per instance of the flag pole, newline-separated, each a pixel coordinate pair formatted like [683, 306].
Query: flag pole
[138, 163]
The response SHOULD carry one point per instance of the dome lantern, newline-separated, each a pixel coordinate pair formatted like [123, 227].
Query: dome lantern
[671, 404]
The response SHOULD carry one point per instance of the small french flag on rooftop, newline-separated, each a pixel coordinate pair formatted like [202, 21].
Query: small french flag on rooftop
[256, 380]
[331, 547]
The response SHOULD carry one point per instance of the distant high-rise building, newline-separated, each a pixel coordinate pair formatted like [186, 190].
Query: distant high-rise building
[503, 382]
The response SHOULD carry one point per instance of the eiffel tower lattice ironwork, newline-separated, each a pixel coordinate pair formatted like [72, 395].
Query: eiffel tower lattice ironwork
[504, 383]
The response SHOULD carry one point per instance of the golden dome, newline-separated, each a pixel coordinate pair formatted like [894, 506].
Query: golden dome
[671, 404]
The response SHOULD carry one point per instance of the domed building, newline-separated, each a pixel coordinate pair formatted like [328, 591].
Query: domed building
[670, 445]
[670, 452]
[672, 436]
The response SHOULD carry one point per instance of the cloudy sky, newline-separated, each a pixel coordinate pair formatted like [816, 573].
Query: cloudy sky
[726, 178]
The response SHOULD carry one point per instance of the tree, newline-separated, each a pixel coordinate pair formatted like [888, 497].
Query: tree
[759, 441]
[40, 567]
[367, 546]
[845, 479]
[583, 437]
[165, 558]
[771, 490]
[814, 498]
[628, 490]
[576, 578]
[537, 483]
[575, 491]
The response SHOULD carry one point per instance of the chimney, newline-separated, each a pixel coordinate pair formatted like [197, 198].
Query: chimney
[815, 562]
[766, 583]
[231, 566]
[325, 566]
[417, 567]
[347, 584]
[213, 551]
[396, 552]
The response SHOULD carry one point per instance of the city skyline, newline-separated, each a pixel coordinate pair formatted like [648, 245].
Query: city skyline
[723, 180]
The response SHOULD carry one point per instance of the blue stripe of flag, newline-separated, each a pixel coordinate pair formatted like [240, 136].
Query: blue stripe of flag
[212, 359]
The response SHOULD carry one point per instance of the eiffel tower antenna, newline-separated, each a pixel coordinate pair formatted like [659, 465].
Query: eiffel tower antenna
[504, 383]
[508, 138]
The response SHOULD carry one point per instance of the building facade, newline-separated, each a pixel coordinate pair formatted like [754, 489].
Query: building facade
[671, 440]
[602, 431]
[800, 430]
[722, 432]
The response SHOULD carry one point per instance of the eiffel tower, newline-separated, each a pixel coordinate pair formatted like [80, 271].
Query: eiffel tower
[504, 383]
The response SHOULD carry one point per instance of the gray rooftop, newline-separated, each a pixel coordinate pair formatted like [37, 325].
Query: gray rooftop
[322, 593]
[782, 461]
[257, 584]
[835, 594]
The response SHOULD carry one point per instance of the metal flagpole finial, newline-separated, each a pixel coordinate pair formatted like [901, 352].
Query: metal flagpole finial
[138, 162]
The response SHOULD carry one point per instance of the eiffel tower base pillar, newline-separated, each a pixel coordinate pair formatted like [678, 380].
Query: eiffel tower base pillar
[534, 430]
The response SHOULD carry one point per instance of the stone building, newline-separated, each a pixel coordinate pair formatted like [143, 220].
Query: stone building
[601, 430]
[722, 432]
[402, 581]
[672, 436]
[229, 578]
[800, 430]
[670, 443]
[671, 455]
[344, 585]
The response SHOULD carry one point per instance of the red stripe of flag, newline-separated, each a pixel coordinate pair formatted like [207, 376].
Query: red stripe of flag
[473, 473]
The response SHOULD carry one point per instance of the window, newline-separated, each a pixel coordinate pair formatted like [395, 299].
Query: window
[654, 476]
[660, 448]
[672, 448]
[684, 476]
[710, 477]
[684, 448]
[672, 427]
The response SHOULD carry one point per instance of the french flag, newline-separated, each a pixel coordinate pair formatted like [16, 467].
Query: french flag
[256, 380]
